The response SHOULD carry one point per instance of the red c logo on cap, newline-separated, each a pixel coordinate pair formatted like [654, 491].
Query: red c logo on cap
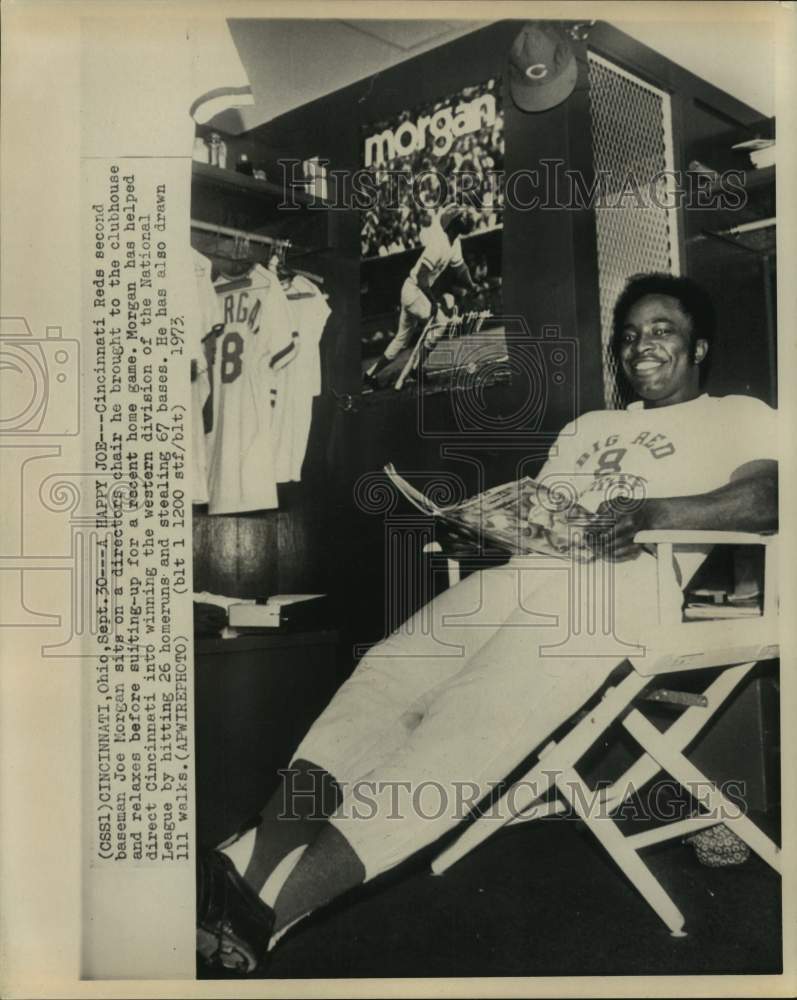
[537, 71]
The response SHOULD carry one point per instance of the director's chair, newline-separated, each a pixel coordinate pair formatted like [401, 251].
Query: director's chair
[675, 645]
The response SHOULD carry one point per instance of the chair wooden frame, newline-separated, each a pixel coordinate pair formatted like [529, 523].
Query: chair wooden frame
[672, 646]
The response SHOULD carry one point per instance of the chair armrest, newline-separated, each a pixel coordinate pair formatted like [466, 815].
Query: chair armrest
[681, 537]
[670, 537]
[665, 541]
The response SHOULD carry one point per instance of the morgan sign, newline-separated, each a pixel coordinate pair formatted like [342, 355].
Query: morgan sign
[435, 132]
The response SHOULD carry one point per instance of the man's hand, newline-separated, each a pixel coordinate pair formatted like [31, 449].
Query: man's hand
[612, 535]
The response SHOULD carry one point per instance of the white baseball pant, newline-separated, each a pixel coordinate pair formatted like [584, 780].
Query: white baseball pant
[441, 711]
[415, 312]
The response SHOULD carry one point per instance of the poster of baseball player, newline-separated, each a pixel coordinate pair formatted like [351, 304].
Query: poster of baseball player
[431, 238]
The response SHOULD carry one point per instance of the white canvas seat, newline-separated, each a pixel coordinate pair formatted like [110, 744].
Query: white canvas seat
[554, 785]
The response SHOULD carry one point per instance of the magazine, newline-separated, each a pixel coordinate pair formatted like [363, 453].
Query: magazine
[521, 516]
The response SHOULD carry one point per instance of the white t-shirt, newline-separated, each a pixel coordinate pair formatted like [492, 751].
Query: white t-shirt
[258, 339]
[300, 381]
[438, 252]
[669, 451]
[209, 315]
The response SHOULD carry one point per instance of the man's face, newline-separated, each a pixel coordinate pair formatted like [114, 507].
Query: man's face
[656, 351]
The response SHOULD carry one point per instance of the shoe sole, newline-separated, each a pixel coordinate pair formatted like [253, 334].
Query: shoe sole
[226, 951]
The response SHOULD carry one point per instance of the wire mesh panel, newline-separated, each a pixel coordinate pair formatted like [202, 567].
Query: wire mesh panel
[636, 223]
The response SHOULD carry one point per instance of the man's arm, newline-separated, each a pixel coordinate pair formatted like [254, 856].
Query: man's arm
[749, 502]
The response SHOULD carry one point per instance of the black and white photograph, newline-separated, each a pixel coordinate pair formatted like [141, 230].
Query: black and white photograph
[395, 428]
[383, 696]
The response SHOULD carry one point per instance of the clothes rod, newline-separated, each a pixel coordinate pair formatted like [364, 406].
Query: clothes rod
[209, 227]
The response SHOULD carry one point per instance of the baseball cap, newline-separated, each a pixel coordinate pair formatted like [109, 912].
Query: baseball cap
[542, 67]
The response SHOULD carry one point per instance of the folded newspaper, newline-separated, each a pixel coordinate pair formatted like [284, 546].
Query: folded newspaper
[522, 517]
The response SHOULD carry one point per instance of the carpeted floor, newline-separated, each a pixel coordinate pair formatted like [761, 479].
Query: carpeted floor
[542, 900]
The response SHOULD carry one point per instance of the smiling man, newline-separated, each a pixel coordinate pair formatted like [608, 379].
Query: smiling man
[453, 700]
[661, 346]
[693, 461]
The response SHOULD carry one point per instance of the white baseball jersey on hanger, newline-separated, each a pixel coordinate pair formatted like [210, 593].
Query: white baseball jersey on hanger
[300, 381]
[208, 316]
[257, 340]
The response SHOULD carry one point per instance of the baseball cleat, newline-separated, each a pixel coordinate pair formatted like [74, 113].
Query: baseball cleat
[234, 925]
